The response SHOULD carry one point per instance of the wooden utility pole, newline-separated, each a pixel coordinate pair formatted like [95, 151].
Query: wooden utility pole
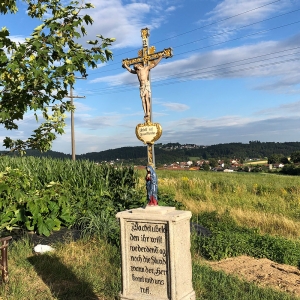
[71, 96]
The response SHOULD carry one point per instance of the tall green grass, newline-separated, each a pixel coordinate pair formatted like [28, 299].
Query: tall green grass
[262, 192]
[43, 194]
[227, 239]
[265, 201]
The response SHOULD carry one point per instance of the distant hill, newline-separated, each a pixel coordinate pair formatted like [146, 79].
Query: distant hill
[36, 153]
[175, 152]
[135, 155]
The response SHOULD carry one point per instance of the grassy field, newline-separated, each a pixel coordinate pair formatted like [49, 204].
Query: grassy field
[90, 268]
[268, 202]
[257, 162]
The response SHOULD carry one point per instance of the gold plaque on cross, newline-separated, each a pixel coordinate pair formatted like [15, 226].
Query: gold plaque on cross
[148, 132]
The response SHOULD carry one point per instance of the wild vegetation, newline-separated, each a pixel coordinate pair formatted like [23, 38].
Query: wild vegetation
[268, 202]
[246, 213]
[43, 194]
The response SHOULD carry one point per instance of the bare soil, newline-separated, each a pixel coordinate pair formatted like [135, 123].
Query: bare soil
[263, 272]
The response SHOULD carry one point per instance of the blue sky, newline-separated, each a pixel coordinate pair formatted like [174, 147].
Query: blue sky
[234, 76]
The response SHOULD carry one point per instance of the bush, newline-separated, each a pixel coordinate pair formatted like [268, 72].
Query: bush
[291, 170]
[41, 210]
[43, 194]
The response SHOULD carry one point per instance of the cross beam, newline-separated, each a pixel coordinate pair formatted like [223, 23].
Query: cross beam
[147, 54]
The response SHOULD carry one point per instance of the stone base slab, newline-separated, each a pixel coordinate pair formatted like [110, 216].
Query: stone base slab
[189, 296]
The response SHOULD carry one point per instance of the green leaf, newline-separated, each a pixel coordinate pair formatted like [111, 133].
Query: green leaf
[29, 226]
[42, 227]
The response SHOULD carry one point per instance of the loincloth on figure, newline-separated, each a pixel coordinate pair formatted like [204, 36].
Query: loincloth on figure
[144, 89]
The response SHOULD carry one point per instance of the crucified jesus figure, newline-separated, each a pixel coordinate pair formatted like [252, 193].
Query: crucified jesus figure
[145, 90]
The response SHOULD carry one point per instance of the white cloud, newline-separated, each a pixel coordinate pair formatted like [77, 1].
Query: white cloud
[269, 59]
[17, 38]
[97, 133]
[244, 10]
[221, 130]
[229, 15]
[279, 129]
[91, 142]
[174, 106]
[81, 107]
[101, 65]
[281, 85]
[170, 8]
[123, 21]
[287, 109]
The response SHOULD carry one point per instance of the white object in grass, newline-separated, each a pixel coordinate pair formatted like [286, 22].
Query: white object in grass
[42, 248]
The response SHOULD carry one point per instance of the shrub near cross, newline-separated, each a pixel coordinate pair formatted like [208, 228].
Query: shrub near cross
[43, 194]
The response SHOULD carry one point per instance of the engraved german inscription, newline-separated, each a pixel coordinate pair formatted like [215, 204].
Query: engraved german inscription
[147, 258]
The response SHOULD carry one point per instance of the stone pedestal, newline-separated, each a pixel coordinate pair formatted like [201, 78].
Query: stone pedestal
[156, 258]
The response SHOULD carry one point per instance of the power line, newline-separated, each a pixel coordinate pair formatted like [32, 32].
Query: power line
[271, 58]
[201, 27]
[199, 76]
[232, 30]
[239, 38]
[224, 64]
[212, 45]
[244, 69]
[209, 67]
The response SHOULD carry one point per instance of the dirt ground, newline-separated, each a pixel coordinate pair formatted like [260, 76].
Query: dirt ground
[263, 272]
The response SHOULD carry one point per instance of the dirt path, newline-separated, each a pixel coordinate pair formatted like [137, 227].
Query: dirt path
[262, 272]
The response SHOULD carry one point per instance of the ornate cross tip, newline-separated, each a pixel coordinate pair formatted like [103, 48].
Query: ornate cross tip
[168, 52]
[125, 62]
[145, 32]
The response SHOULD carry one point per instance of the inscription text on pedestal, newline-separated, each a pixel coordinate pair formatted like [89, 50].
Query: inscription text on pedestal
[147, 258]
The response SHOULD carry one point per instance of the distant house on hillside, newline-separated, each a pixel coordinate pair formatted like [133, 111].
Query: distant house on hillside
[276, 166]
[201, 162]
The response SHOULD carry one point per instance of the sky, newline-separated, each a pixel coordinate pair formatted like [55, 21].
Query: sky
[234, 75]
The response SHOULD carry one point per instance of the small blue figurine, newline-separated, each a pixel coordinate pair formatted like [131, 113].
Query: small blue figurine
[151, 186]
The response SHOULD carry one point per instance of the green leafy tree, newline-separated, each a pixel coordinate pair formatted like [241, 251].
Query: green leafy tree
[284, 160]
[213, 162]
[36, 74]
[205, 167]
[274, 158]
[295, 157]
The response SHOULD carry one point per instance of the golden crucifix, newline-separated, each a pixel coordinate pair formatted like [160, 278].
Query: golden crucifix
[146, 60]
